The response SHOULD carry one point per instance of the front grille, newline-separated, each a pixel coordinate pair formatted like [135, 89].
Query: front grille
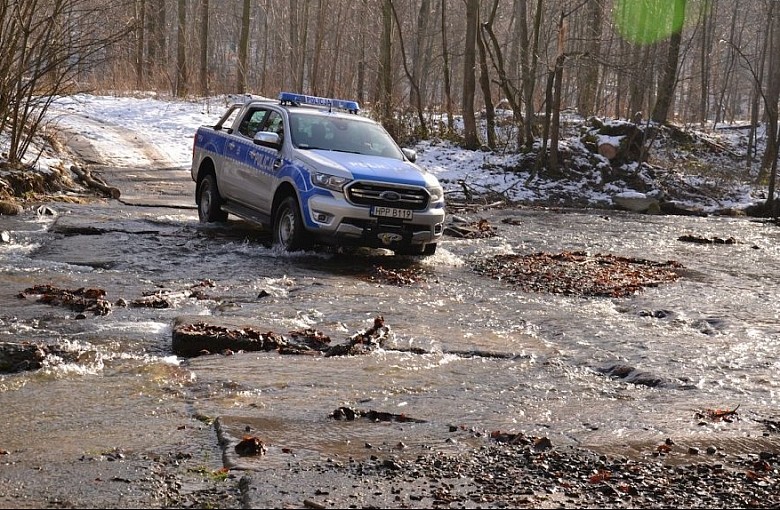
[368, 193]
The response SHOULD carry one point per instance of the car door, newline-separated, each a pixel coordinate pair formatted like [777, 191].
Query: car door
[265, 165]
[238, 166]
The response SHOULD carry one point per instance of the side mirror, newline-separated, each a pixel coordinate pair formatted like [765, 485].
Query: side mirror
[268, 139]
[410, 154]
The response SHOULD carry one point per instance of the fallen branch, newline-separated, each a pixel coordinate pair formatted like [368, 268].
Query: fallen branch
[95, 183]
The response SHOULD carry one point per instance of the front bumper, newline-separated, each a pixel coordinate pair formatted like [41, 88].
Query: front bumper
[336, 221]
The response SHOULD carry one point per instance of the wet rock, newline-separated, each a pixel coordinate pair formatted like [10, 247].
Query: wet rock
[198, 338]
[20, 357]
[250, 446]
[634, 376]
[80, 300]
[5, 237]
[637, 202]
[349, 414]
[688, 238]
[656, 314]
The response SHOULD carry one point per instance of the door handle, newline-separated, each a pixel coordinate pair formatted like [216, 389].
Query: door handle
[278, 164]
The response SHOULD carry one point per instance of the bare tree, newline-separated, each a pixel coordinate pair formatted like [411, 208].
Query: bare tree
[410, 76]
[505, 82]
[41, 59]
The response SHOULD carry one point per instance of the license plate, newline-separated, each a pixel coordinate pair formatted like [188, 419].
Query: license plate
[392, 212]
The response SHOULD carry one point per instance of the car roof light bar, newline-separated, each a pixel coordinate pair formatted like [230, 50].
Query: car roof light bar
[298, 99]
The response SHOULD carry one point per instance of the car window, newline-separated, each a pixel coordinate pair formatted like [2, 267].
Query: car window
[252, 122]
[343, 135]
[274, 123]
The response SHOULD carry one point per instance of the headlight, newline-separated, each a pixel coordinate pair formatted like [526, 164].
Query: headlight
[437, 194]
[328, 181]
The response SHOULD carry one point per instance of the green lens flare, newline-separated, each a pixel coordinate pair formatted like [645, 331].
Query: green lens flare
[648, 21]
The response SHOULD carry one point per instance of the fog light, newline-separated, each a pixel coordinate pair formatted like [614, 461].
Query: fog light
[322, 217]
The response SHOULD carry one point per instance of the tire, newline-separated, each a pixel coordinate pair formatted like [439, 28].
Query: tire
[210, 201]
[288, 231]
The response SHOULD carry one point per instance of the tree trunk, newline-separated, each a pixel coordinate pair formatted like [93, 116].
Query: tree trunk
[555, 107]
[361, 70]
[530, 61]
[157, 50]
[418, 49]
[243, 48]
[319, 36]
[706, 65]
[666, 88]
[772, 93]
[423, 128]
[504, 81]
[181, 50]
[140, 39]
[204, 47]
[331, 92]
[484, 84]
[589, 72]
[300, 80]
[385, 85]
[471, 139]
[756, 101]
[541, 158]
[446, 57]
[295, 46]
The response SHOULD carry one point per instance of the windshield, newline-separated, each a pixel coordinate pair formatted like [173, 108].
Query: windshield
[342, 134]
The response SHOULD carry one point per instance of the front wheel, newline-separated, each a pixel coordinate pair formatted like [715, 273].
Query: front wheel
[289, 232]
[209, 209]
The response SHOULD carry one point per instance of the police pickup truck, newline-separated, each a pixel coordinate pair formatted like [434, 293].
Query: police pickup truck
[313, 171]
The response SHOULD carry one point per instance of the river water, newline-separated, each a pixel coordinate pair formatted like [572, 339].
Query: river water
[712, 337]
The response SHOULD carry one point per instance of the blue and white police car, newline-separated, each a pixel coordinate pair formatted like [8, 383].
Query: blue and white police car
[313, 170]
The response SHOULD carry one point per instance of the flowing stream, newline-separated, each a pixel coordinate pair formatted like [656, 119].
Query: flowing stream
[496, 358]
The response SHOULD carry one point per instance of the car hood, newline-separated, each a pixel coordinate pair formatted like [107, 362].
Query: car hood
[372, 168]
